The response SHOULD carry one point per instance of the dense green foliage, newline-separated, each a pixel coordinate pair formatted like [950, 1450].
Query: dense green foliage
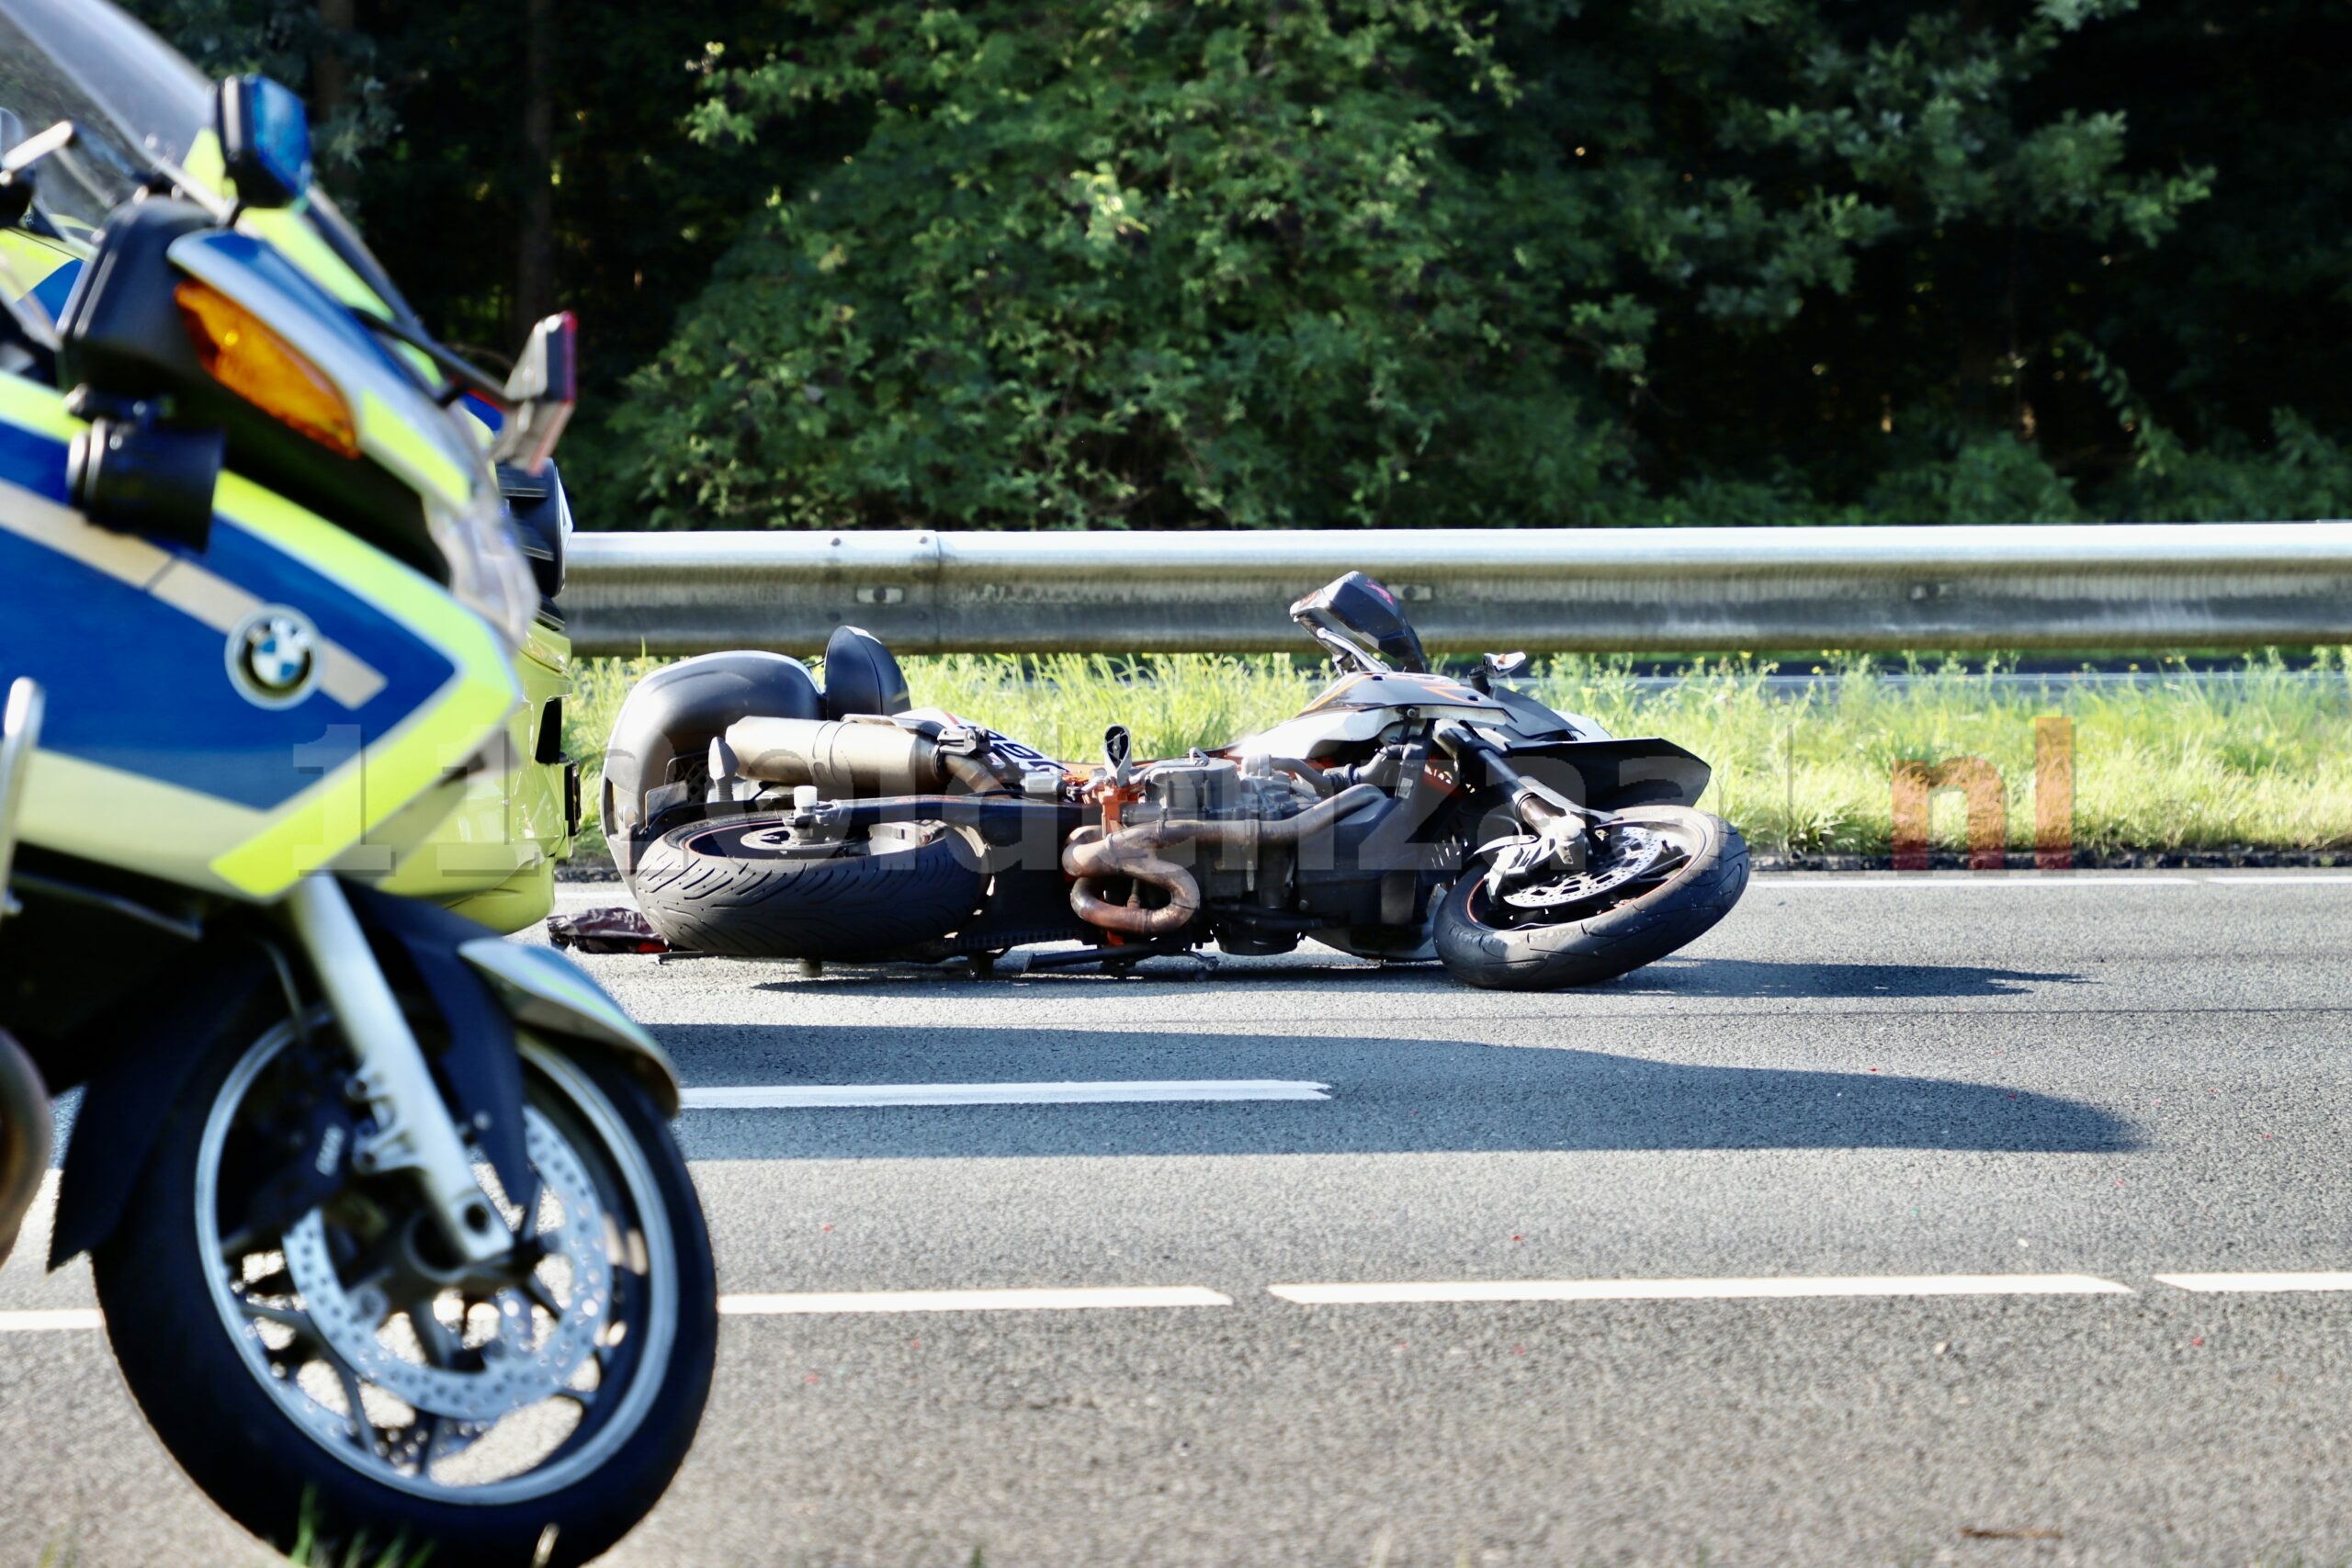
[1392, 263]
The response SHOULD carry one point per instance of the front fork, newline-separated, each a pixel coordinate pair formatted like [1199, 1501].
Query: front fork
[411, 1128]
[1560, 831]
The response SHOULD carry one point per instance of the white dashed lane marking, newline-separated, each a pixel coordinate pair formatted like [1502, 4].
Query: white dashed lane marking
[1083, 1298]
[2256, 1283]
[822, 1097]
[1782, 1288]
[51, 1322]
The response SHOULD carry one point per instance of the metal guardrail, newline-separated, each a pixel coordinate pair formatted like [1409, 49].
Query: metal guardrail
[1634, 590]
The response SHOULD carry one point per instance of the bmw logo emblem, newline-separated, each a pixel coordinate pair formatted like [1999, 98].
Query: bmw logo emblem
[274, 657]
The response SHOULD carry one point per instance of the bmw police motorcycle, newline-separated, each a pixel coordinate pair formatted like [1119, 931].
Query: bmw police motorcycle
[390, 1235]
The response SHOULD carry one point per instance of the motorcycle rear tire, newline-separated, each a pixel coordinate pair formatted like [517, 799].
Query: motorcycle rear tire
[1617, 939]
[707, 889]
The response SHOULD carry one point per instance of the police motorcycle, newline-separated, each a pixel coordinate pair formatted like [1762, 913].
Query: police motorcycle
[492, 857]
[390, 1235]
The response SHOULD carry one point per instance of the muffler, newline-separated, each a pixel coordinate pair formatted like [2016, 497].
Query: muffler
[851, 759]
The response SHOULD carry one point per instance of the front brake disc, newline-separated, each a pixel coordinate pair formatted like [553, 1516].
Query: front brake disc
[531, 1357]
[1627, 855]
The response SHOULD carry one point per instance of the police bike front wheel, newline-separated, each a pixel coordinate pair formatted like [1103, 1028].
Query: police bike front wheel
[325, 1367]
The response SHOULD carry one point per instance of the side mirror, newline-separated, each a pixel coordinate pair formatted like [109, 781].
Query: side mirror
[264, 140]
[541, 513]
[1493, 667]
[540, 394]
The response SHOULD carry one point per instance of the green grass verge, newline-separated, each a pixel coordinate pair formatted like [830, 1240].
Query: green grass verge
[2259, 758]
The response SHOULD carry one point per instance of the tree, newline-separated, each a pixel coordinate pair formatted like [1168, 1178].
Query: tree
[1352, 261]
[1383, 263]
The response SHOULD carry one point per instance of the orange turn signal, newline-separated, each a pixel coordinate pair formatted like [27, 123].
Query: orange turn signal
[239, 352]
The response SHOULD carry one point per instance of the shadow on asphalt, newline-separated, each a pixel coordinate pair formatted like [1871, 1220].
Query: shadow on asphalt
[1387, 1096]
[1752, 978]
[1666, 978]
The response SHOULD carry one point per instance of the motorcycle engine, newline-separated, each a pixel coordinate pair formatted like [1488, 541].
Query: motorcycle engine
[1331, 881]
[1213, 789]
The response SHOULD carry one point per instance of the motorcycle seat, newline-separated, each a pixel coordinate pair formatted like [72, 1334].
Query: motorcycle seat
[861, 676]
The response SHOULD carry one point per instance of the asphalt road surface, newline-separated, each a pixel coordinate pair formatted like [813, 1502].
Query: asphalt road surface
[1989, 1220]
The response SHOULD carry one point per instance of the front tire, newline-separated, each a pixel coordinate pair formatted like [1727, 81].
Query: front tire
[286, 1392]
[1481, 944]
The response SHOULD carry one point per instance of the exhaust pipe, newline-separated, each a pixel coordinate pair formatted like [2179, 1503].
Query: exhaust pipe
[850, 760]
[1134, 854]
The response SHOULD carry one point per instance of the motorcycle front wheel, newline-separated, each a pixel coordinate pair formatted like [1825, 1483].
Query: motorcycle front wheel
[336, 1371]
[1665, 876]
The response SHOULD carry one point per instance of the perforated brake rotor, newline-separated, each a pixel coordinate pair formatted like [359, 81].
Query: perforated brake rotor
[533, 1354]
[1626, 854]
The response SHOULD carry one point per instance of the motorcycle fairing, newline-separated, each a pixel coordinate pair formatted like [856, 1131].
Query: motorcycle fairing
[1356, 709]
[1433, 693]
[1612, 775]
[429, 453]
[153, 755]
[43, 269]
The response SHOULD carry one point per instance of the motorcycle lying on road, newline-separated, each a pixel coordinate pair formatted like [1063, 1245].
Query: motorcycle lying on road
[390, 1235]
[1402, 814]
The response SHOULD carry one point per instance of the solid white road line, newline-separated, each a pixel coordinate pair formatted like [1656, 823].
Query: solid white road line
[1702, 1290]
[51, 1321]
[805, 1097]
[972, 1300]
[2250, 1284]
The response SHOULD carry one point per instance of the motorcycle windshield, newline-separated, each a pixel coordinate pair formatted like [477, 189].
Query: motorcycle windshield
[131, 94]
[134, 98]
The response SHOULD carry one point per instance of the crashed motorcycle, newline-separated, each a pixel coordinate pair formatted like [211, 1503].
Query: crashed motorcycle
[1403, 815]
[392, 1238]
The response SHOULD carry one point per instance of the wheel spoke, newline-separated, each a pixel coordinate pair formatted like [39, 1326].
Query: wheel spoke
[285, 1317]
[432, 1334]
[432, 1430]
[362, 1428]
[543, 1296]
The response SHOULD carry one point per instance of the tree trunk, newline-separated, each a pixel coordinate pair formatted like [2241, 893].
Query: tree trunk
[330, 80]
[534, 243]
